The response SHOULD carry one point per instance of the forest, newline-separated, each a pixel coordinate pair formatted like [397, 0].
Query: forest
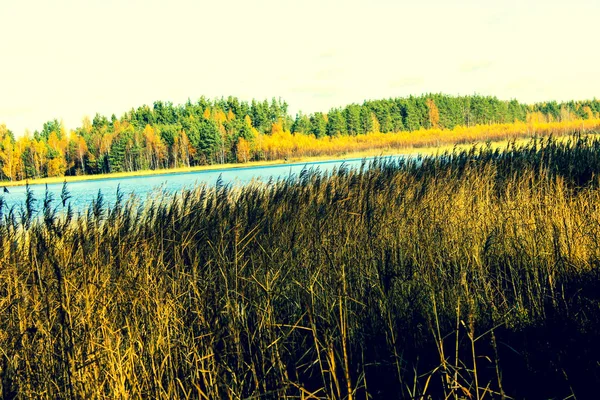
[229, 130]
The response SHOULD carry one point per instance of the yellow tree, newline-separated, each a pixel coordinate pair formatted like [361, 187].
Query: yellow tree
[18, 166]
[86, 124]
[175, 150]
[434, 113]
[7, 156]
[566, 114]
[24, 148]
[375, 123]
[57, 164]
[78, 150]
[40, 152]
[220, 118]
[277, 127]
[155, 148]
[105, 144]
[11, 162]
[242, 150]
[186, 150]
[230, 115]
[82, 151]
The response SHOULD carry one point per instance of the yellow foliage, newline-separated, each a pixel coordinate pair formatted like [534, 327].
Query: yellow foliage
[155, 150]
[106, 142]
[242, 150]
[376, 124]
[78, 149]
[434, 113]
[284, 144]
[57, 167]
[219, 116]
[18, 171]
[7, 157]
[60, 145]
[276, 128]
[183, 149]
[86, 124]
[230, 115]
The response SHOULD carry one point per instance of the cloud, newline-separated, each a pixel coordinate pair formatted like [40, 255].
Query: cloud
[328, 74]
[317, 91]
[522, 83]
[328, 54]
[473, 66]
[15, 111]
[407, 82]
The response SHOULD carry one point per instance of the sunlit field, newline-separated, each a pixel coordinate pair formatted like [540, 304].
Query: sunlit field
[315, 200]
[469, 275]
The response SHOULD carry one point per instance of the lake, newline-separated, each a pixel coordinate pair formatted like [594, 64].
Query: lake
[84, 192]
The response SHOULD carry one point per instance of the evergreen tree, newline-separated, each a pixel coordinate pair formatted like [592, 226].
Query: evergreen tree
[48, 128]
[205, 137]
[352, 116]
[366, 121]
[259, 112]
[410, 115]
[116, 156]
[336, 123]
[318, 125]
[301, 124]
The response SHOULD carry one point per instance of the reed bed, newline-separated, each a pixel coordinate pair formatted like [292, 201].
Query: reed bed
[470, 275]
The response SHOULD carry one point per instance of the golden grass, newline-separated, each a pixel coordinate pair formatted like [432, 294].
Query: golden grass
[468, 276]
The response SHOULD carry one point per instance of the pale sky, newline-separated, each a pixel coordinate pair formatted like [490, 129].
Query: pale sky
[66, 59]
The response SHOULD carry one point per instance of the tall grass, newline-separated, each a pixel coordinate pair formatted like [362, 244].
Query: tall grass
[474, 274]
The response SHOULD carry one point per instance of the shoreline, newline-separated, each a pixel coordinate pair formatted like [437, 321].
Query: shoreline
[408, 151]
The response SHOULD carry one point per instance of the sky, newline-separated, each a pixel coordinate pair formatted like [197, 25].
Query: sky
[67, 59]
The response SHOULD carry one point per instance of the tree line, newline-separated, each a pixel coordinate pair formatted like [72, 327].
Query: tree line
[211, 131]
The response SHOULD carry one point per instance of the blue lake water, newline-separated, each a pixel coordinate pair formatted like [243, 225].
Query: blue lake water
[143, 187]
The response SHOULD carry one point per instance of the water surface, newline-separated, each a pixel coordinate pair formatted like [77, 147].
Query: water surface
[143, 187]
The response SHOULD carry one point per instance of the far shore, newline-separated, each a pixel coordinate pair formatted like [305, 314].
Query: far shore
[407, 151]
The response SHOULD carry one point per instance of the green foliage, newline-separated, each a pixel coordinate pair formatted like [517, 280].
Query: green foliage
[28, 163]
[352, 117]
[100, 121]
[336, 123]
[302, 124]
[164, 113]
[239, 128]
[366, 120]
[205, 138]
[117, 154]
[48, 128]
[168, 133]
[318, 124]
